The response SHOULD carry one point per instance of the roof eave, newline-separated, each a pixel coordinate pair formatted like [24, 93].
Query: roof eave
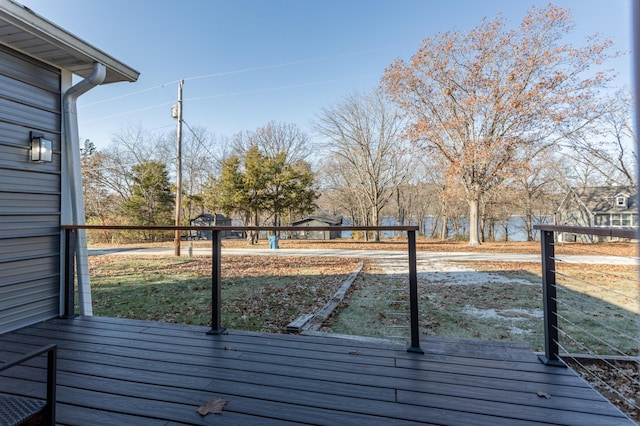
[64, 50]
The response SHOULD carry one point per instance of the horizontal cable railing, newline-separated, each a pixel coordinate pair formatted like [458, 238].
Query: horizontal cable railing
[217, 327]
[591, 312]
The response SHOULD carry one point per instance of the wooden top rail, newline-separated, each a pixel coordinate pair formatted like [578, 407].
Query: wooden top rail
[244, 228]
[604, 232]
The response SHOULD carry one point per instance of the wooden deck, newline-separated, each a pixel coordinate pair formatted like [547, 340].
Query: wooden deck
[125, 372]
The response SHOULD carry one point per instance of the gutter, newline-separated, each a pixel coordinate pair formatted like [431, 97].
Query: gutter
[70, 119]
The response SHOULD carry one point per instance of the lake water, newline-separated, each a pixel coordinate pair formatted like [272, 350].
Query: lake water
[515, 227]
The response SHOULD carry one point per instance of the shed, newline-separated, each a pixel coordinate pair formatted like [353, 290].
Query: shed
[317, 221]
[207, 219]
[37, 195]
[599, 207]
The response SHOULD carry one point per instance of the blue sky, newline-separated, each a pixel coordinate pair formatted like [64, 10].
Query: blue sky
[247, 62]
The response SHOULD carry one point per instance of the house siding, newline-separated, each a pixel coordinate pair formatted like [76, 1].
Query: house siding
[596, 207]
[30, 101]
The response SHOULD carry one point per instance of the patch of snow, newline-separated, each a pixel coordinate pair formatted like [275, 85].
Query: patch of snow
[535, 313]
[500, 314]
[481, 313]
[447, 273]
[518, 331]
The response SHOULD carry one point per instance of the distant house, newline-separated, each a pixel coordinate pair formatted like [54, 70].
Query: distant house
[600, 206]
[310, 221]
[41, 187]
[207, 219]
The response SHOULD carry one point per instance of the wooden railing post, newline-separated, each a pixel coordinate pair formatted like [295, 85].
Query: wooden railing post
[551, 347]
[413, 294]
[216, 284]
[70, 241]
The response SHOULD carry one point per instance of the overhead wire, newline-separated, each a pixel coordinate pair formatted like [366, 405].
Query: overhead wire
[271, 89]
[240, 71]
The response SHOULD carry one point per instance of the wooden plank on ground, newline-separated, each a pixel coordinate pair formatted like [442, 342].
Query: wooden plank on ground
[313, 322]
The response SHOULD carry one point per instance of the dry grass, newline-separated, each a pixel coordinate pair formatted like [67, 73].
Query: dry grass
[258, 293]
[422, 244]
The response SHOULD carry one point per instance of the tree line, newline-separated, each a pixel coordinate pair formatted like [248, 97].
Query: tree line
[481, 125]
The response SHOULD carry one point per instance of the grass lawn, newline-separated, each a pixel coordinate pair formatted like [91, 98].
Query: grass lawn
[598, 305]
[258, 294]
[487, 300]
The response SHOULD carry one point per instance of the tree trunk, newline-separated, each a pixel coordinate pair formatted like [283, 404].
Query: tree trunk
[473, 222]
[376, 222]
[444, 229]
[529, 226]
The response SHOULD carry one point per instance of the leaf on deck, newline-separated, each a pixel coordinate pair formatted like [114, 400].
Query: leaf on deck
[544, 395]
[213, 407]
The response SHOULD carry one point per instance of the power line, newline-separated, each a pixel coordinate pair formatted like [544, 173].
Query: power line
[197, 138]
[244, 92]
[242, 71]
[272, 89]
[128, 112]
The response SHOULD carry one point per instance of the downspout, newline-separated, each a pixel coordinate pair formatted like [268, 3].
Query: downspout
[70, 117]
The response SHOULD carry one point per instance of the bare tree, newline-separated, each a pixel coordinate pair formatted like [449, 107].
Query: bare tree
[365, 144]
[534, 183]
[129, 147]
[200, 159]
[338, 177]
[479, 97]
[98, 199]
[275, 138]
[608, 144]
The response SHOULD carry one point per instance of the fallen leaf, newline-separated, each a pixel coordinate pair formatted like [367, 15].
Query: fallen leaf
[544, 395]
[213, 407]
[354, 353]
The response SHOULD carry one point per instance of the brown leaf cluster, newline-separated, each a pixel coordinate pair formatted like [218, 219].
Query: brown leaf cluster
[623, 376]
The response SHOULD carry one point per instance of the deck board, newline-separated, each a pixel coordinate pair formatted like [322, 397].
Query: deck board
[118, 371]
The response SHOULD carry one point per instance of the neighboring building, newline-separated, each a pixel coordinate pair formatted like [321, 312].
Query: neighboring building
[601, 206]
[317, 221]
[207, 219]
[38, 194]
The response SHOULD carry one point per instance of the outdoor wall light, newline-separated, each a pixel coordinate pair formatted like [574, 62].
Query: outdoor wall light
[41, 149]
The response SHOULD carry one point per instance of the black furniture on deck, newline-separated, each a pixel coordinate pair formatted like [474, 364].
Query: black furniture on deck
[19, 410]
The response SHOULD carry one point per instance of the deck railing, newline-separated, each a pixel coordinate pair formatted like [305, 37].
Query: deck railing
[70, 238]
[551, 269]
[591, 314]
[550, 238]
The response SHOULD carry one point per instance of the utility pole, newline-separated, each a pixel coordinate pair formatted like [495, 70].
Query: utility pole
[178, 114]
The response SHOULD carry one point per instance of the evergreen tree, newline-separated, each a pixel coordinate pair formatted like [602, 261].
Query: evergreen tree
[151, 200]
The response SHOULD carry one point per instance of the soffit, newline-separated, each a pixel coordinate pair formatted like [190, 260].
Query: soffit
[23, 30]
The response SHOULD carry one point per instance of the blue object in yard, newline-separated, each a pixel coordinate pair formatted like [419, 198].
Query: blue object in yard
[273, 241]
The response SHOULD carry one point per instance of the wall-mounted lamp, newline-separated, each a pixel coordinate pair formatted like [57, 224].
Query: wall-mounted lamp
[41, 149]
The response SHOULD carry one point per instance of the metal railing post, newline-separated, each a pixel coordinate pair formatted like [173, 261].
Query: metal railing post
[52, 365]
[70, 236]
[413, 294]
[216, 284]
[551, 348]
